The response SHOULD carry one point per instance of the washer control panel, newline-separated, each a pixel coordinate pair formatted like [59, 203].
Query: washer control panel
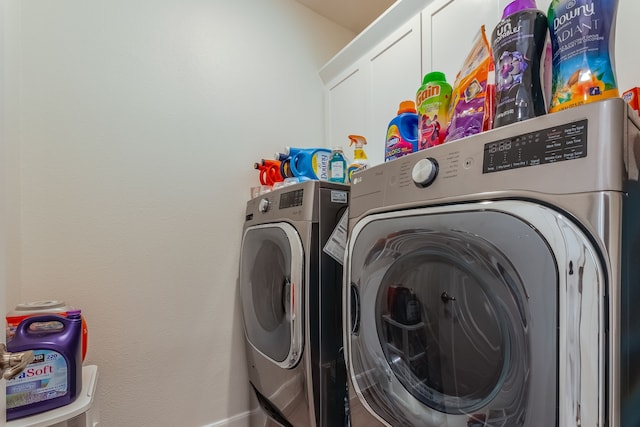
[554, 144]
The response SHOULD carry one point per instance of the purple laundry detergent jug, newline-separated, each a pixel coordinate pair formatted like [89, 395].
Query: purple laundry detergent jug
[54, 377]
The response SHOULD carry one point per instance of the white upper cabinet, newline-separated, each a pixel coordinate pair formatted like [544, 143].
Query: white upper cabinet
[346, 105]
[364, 98]
[385, 64]
[627, 60]
[367, 80]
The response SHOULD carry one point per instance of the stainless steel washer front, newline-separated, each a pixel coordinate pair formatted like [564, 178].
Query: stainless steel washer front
[455, 313]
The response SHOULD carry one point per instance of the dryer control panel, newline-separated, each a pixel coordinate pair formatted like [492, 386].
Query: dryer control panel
[291, 199]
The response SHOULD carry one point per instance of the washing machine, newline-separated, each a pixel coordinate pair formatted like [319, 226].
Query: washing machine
[492, 281]
[291, 293]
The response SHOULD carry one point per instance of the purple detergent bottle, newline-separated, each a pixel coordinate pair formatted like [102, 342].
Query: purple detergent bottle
[517, 43]
[54, 377]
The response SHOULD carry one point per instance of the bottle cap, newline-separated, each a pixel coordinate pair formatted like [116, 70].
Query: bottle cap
[407, 107]
[434, 76]
[517, 6]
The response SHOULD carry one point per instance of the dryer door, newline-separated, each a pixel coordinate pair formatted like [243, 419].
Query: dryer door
[271, 283]
[455, 313]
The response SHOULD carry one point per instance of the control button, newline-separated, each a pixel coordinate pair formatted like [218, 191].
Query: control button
[264, 205]
[468, 163]
[424, 172]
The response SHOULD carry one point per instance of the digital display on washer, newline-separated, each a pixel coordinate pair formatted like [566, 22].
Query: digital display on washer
[291, 199]
[556, 144]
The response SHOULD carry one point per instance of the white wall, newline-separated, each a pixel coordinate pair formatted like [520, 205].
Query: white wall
[9, 164]
[4, 187]
[139, 125]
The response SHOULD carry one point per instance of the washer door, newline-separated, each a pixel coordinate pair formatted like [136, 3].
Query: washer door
[455, 314]
[271, 275]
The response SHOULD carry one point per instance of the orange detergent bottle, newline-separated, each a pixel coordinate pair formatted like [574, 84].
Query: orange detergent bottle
[269, 171]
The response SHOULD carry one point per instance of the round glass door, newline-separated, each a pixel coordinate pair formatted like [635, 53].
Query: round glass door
[271, 272]
[452, 307]
[445, 331]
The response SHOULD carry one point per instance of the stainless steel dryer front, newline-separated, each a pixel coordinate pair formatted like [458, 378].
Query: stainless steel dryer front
[490, 281]
[291, 300]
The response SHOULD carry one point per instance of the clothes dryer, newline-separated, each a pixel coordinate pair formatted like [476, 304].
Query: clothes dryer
[491, 281]
[291, 294]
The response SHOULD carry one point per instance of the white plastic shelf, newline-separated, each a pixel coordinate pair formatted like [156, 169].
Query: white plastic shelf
[81, 405]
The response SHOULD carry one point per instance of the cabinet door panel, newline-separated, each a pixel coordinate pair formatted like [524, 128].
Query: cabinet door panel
[449, 28]
[626, 56]
[395, 77]
[346, 112]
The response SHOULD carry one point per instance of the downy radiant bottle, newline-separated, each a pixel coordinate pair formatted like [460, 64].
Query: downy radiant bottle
[583, 43]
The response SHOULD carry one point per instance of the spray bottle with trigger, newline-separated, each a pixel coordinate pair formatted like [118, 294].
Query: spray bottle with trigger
[359, 157]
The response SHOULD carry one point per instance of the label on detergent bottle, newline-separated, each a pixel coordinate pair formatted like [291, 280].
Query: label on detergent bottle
[337, 166]
[320, 163]
[582, 38]
[396, 146]
[631, 98]
[402, 133]
[44, 379]
[337, 172]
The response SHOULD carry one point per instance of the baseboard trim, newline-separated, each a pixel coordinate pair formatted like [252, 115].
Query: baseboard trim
[238, 420]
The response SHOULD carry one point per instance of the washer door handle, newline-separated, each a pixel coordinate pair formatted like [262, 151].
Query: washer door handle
[287, 298]
[355, 309]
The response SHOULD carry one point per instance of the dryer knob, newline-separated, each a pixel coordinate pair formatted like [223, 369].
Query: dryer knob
[264, 205]
[424, 172]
